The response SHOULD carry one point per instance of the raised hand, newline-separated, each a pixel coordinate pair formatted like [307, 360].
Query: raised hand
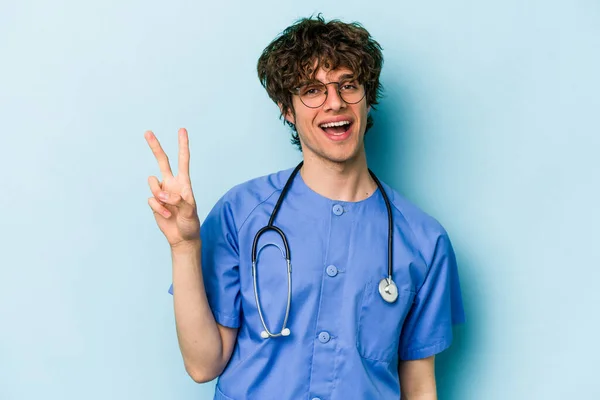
[173, 202]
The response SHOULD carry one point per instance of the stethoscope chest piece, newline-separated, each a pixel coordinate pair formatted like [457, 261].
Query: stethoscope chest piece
[388, 290]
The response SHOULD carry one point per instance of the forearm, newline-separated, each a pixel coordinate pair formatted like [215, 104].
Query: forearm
[419, 396]
[417, 379]
[197, 332]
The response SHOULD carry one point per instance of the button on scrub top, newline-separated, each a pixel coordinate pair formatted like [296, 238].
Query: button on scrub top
[345, 340]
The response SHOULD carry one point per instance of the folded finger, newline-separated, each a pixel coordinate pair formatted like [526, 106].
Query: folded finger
[158, 208]
[154, 185]
[173, 199]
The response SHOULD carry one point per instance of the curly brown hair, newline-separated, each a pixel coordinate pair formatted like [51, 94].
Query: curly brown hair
[298, 52]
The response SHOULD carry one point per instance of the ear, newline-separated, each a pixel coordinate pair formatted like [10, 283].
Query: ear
[368, 110]
[289, 116]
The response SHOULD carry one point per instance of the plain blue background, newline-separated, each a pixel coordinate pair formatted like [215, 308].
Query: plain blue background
[490, 123]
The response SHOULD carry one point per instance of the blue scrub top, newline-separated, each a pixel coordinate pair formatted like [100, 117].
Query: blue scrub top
[345, 340]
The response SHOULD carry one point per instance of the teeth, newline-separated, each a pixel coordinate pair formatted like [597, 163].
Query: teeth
[332, 124]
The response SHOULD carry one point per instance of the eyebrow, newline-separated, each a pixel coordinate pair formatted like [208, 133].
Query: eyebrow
[341, 78]
[346, 76]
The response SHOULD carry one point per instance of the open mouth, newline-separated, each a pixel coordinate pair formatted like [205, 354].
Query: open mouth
[336, 128]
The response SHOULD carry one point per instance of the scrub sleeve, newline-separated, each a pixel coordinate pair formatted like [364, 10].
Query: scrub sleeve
[437, 306]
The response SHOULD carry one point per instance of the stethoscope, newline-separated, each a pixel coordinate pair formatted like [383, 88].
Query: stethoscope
[387, 288]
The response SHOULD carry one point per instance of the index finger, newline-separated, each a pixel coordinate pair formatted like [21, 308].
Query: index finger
[161, 157]
[184, 154]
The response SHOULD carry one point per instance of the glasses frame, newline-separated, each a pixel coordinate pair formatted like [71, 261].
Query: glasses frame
[297, 92]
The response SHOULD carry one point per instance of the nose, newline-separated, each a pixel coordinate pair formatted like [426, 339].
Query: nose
[334, 101]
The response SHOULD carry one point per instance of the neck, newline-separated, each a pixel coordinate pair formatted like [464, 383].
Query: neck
[347, 181]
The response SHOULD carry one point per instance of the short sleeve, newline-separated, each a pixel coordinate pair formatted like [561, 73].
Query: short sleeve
[437, 307]
[220, 264]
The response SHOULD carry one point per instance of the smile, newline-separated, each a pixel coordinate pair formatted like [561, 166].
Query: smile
[338, 128]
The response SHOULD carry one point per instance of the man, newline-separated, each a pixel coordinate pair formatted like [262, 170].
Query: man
[335, 323]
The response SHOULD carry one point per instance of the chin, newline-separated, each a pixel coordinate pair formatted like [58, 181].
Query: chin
[341, 157]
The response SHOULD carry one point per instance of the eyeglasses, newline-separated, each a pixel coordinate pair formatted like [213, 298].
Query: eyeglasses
[314, 94]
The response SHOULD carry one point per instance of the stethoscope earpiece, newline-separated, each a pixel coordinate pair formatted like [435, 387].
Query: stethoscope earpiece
[284, 332]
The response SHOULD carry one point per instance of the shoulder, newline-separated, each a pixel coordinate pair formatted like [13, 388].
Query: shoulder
[425, 230]
[242, 199]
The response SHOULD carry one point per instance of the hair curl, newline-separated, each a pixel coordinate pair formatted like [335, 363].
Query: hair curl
[299, 51]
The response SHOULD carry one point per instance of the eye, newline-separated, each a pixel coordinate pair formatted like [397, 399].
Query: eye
[312, 90]
[348, 86]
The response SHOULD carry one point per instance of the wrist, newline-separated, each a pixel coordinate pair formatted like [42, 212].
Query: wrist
[186, 246]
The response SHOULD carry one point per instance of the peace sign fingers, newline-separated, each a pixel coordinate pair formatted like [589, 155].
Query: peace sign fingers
[184, 155]
[173, 202]
[161, 157]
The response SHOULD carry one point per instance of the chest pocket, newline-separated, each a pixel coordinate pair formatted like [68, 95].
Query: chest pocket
[380, 323]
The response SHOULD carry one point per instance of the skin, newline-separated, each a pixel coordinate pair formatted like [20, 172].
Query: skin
[205, 345]
[417, 379]
[336, 169]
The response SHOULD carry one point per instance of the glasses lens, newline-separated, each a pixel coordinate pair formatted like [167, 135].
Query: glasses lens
[351, 92]
[313, 94]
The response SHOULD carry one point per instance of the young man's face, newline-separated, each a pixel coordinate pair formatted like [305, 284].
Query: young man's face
[341, 144]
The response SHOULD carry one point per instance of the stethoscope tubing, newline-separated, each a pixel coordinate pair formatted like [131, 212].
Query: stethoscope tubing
[271, 227]
[386, 200]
